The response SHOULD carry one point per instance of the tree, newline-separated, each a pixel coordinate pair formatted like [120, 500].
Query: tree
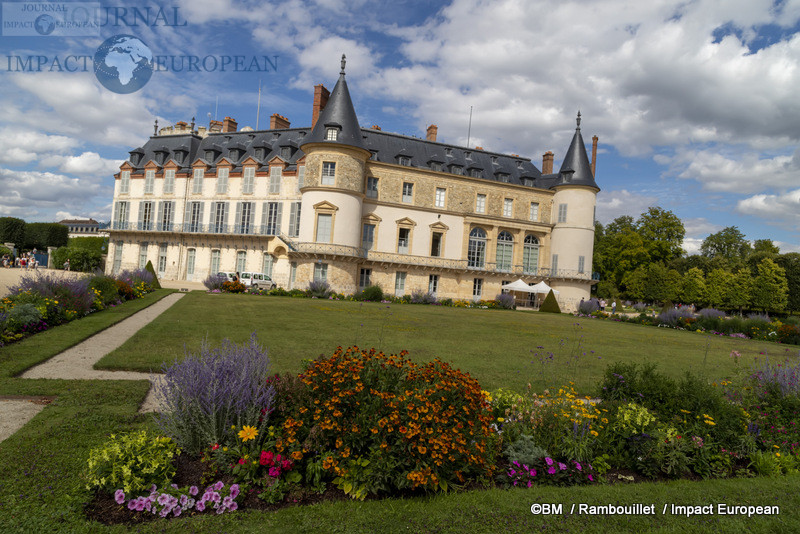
[728, 243]
[718, 287]
[658, 286]
[12, 230]
[740, 290]
[662, 232]
[43, 235]
[694, 286]
[791, 266]
[770, 289]
[765, 245]
[635, 282]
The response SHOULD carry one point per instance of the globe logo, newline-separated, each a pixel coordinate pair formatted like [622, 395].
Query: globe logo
[44, 24]
[123, 64]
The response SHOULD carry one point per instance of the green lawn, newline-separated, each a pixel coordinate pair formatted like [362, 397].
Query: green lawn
[41, 490]
[499, 347]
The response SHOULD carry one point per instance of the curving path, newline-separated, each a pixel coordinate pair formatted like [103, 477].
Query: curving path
[77, 364]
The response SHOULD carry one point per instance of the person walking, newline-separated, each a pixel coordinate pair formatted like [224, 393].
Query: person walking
[614, 307]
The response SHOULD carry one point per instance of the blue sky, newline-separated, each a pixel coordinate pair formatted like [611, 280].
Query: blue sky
[695, 103]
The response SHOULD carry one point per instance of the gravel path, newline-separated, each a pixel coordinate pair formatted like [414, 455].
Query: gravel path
[76, 364]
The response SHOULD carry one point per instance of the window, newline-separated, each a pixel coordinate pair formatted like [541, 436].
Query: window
[477, 288]
[363, 278]
[292, 274]
[399, 284]
[210, 156]
[372, 187]
[244, 217]
[149, 182]
[166, 211]
[534, 214]
[142, 255]
[440, 192]
[266, 264]
[275, 175]
[332, 134]
[404, 160]
[436, 244]
[476, 173]
[294, 219]
[554, 266]
[505, 251]
[562, 213]
[436, 166]
[117, 256]
[219, 217]
[467, 154]
[145, 216]
[320, 272]
[508, 207]
[530, 255]
[241, 261]
[271, 218]
[197, 181]
[214, 261]
[480, 204]
[248, 180]
[408, 192]
[448, 151]
[162, 259]
[169, 181]
[194, 217]
[328, 173]
[324, 227]
[286, 152]
[457, 169]
[519, 164]
[301, 177]
[476, 249]
[403, 238]
[191, 254]
[581, 263]
[121, 216]
[494, 160]
[433, 284]
[367, 236]
[222, 181]
[124, 182]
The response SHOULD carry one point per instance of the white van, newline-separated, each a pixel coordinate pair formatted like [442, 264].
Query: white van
[256, 280]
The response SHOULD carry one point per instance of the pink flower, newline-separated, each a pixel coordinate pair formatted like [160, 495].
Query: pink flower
[274, 472]
[266, 458]
[591, 479]
[119, 496]
[286, 465]
[241, 461]
[561, 466]
[234, 491]
[551, 470]
[548, 460]
[200, 506]
[578, 466]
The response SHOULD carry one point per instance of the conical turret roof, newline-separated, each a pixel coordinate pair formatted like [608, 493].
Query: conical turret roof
[576, 168]
[340, 114]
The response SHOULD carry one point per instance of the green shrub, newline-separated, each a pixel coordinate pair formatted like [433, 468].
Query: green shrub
[233, 287]
[131, 462]
[149, 268]
[124, 290]
[23, 315]
[80, 259]
[524, 451]
[106, 287]
[550, 304]
[372, 294]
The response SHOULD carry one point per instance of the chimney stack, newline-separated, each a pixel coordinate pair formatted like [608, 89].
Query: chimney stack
[214, 126]
[594, 153]
[320, 100]
[547, 162]
[431, 133]
[278, 122]
[376, 127]
[229, 125]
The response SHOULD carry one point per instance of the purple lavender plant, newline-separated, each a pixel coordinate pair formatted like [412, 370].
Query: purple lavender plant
[422, 297]
[505, 301]
[214, 281]
[71, 293]
[782, 377]
[203, 395]
[670, 317]
[711, 313]
[319, 289]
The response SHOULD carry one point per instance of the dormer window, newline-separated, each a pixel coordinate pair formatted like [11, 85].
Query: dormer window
[519, 164]
[136, 156]
[210, 156]
[476, 173]
[235, 153]
[494, 160]
[404, 160]
[374, 155]
[467, 154]
[332, 134]
[275, 135]
[286, 152]
[457, 169]
[160, 156]
[503, 177]
[259, 153]
[448, 151]
[436, 166]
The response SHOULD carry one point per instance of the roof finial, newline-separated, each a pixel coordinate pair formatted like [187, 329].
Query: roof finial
[192, 126]
[579, 120]
[344, 60]
[155, 128]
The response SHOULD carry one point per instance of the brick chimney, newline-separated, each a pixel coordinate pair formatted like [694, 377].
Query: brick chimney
[478, 148]
[594, 153]
[375, 127]
[547, 163]
[431, 133]
[320, 99]
[278, 122]
[214, 126]
[229, 125]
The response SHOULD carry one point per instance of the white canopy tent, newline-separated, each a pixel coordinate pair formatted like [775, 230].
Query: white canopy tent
[519, 285]
[543, 288]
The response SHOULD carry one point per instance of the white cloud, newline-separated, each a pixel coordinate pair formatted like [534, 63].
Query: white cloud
[22, 146]
[34, 195]
[700, 227]
[692, 245]
[781, 209]
[87, 163]
[787, 247]
[613, 204]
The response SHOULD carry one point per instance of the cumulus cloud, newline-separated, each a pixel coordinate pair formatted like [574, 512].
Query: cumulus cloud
[700, 227]
[87, 163]
[780, 209]
[613, 204]
[33, 194]
[22, 146]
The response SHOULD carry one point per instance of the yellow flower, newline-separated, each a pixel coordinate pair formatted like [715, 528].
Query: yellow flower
[500, 419]
[248, 432]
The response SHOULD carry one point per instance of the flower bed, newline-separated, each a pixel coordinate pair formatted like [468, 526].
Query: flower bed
[44, 300]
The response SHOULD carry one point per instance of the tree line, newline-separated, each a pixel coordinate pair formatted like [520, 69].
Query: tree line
[642, 260]
[27, 236]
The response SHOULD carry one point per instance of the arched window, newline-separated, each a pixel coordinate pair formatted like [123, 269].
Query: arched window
[505, 251]
[530, 255]
[476, 250]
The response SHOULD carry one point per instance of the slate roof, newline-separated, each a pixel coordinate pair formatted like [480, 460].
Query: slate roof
[576, 168]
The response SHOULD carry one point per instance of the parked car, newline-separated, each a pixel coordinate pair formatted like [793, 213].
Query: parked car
[257, 280]
[228, 277]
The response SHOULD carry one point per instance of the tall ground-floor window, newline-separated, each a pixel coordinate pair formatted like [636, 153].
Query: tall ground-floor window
[505, 251]
[292, 274]
[241, 261]
[433, 284]
[117, 257]
[364, 278]
[266, 265]
[477, 288]
[320, 272]
[190, 257]
[400, 284]
[162, 259]
[142, 255]
[476, 248]
[214, 261]
[530, 255]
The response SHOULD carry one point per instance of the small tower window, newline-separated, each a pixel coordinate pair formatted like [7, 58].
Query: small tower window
[332, 135]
